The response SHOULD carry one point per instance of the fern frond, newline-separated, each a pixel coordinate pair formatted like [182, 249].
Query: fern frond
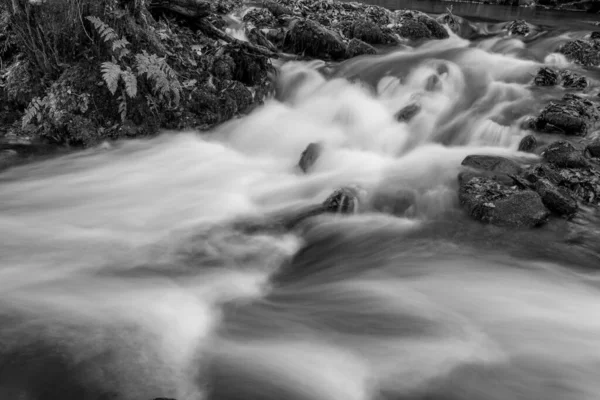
[111, 73]
[130, 83]
[120, 44]
[107, 33]
[162, 76]
[34, 108]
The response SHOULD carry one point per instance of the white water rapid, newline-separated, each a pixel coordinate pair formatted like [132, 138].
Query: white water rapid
[122, 278]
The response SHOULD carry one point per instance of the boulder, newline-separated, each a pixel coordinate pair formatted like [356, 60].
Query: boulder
[367, 31]
[584, 52]
[556, 199]
[518, 27]
[309, 156]
[562, 154]
[490, 202]
[528, 144]
[312, 39]
[415, 25]
[357, 47]
[571, 116]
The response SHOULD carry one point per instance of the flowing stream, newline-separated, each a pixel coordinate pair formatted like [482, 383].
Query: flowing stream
[122, 275]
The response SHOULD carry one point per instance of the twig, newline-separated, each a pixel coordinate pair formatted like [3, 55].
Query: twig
[210, 29]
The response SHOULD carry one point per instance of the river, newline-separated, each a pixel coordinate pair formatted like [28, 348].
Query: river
[122, 276]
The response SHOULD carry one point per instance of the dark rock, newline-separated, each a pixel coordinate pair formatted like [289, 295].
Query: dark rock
[543, 171]
[583, 52]
[223, 67]
[562, 154]
[572, 116]
[343, 201]
[367, 31]
[572, 80]
[489, 202]
[546, 77]
[595, 35]
[494, 164]
[309, 156]
[518, 27]
[413, 30]
[357, 47]
[395, 202]
[260, 17]
[277, 9]
[528, 144]
[407, 113]
[593, 149]
[312, 39]
[556, 199]
[436, 29]
[583, 183]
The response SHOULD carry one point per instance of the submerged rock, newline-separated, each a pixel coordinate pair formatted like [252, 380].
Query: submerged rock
[528, 144]
[556, 199]
[584, 52]
[343, 201]
[357, 47]
[312, 39]
[562, 154]
[496, 164]
[407, 113]
[490, 202]
[309, 156]
[518, 27]
[572, 116]
[395, 202]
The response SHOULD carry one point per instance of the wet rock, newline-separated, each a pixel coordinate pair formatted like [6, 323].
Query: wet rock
[309, 156]
[546, 77]
[595, 35]
[571, 116]
[543, 171]
[357, 47]
[490, 202]
[407, 113]
[518, 27]
[494, 164]
[584, 52]
[260, 17]
[277, 9]
[343, 201]
[367, 31]
[593, 149]
[583, 183]
[556, 199]
[562, 154]
[413, 30]
[571, 80]
[528, 144]
[312, 39]
[394, 202]
[436, 29]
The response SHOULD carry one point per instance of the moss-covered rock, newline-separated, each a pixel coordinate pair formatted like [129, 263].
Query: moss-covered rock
[584, 52]
[312, 39]
[357, 47]
[571, 116]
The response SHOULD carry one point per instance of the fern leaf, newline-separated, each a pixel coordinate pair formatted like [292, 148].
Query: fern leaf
[106, 32]
[130, 83]
[119, 44]
[32, 111]
[111, 73]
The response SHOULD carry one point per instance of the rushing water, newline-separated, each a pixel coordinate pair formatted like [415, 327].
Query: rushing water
[121, 276]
